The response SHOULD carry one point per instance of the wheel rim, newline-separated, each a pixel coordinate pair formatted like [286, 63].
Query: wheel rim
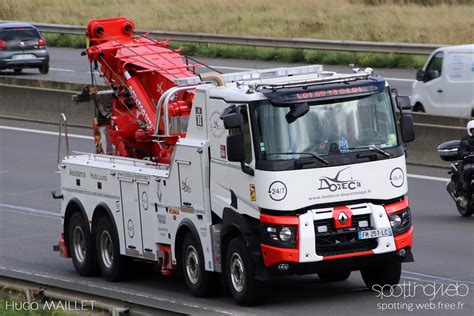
[79, 244]
[237, 272]
[106, 249]
[192, 264]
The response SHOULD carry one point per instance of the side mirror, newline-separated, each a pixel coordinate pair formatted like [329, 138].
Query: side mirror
[235, 148]
[233, 120]
[404, 102]
[420, 75]
[296, 111]
[408, 128]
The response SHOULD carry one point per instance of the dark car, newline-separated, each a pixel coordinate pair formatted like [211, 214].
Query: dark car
[22, 46]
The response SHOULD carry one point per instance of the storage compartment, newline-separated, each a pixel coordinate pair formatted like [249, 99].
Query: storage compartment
[448, 151]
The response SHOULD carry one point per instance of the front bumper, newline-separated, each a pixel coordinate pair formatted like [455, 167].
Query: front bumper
[311, 252]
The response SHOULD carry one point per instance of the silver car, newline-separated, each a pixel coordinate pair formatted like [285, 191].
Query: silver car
[22, 46]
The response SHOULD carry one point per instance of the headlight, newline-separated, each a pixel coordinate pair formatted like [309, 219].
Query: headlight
[279, 236]
[400, 221]
[395, 221]
[285, 234]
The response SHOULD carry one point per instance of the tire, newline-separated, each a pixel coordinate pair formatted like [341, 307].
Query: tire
[464, 211]
[82, 247]
[334, 276]
[200, 282]
[387, 274]
[44, 69]
[240, 273]
[112, 264]
[18, 70]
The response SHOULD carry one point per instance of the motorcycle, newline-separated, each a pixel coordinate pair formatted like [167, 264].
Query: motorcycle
[464, 199]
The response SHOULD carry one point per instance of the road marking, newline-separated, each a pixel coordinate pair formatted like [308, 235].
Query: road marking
[235, 68]
[28, 236]
[62, 70]
[32, 191]
[18, 129]
[419, 176]
[34, 211]
[399, 79]
[416, 176]
[433, 278]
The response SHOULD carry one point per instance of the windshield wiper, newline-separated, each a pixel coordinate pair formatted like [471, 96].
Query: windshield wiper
[321, 159]
[376, 149]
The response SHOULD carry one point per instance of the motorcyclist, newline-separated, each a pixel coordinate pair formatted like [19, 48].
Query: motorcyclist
[466, 148]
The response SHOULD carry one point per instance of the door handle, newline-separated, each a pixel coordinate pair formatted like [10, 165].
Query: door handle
[439, 91]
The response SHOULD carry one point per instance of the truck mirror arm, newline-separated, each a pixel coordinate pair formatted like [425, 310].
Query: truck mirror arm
[247, 169]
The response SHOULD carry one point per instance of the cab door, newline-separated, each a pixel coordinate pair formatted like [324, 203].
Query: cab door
[241, 178]
[434, 86]
[191, 185]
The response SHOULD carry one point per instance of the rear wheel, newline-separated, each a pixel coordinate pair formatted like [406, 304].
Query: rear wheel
[386, 274]
[334, 276]
[112, 264]
[240, 272]
[199, 281]
[82, 246]
[44, 69]
[18, 70]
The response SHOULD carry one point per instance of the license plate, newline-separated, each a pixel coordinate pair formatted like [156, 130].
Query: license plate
[376, 233]
[24, 57]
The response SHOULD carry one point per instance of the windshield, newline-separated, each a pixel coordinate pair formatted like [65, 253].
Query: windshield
[327, 129]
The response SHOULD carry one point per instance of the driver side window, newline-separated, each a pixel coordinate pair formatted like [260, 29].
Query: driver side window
[434, 68]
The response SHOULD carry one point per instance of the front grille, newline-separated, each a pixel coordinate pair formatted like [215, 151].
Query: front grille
[342, 241]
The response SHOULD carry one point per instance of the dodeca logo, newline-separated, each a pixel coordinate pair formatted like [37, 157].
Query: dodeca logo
[397, 177]
[277, 191]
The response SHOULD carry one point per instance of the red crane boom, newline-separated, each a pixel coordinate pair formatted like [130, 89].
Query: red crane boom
[139, 70]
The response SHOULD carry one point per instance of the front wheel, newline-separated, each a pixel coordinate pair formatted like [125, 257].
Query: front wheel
[386, 274]
[112, 265]
[199, 281]
[82, 246]
[240, 272]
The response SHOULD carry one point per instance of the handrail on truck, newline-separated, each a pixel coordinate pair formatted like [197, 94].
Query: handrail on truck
[62, 123]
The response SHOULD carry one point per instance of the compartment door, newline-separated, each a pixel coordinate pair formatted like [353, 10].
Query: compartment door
[148, 219]
[190, 180]
[131, 217]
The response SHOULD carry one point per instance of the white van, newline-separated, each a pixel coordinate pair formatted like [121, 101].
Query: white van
[445, 85]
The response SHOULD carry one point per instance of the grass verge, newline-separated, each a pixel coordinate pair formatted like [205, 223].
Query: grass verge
[374, 60]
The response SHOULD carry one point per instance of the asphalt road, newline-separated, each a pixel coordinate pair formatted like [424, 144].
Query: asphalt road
[67, 65]
[30, 226]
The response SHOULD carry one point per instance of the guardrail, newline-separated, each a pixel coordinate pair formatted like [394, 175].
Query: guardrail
[275, 42]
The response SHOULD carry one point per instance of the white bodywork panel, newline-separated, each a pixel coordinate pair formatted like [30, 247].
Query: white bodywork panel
[291, 190]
